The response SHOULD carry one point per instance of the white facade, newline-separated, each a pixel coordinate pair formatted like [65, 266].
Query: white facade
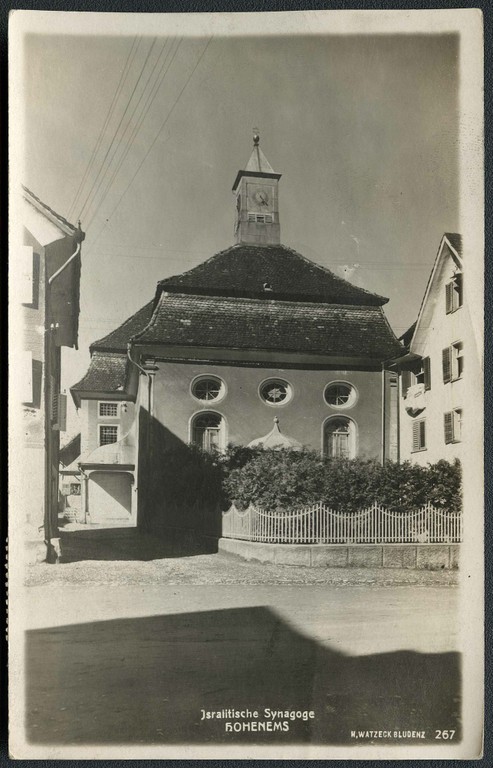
[435, 376]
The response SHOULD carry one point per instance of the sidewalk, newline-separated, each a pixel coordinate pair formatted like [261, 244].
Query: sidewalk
[127, 557]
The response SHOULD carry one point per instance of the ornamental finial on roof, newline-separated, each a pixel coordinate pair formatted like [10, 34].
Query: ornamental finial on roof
[256, 137]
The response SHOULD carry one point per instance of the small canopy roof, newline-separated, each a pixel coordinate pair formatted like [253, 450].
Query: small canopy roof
[276, 440]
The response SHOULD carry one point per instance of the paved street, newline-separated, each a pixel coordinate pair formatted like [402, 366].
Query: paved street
[137, 664]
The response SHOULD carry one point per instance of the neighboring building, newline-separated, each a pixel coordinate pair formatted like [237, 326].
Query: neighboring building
[70, 481]
[433, 398]
[48, 288]
[106, 398]
[256, 332]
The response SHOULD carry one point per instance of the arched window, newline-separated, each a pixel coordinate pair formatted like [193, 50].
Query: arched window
[340, 438]
[208, 431]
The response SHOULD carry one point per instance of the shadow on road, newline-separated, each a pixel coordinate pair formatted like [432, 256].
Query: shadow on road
[126, 544]
[146, 681]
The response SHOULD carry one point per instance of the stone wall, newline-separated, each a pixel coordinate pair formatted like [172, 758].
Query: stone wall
[415, 556]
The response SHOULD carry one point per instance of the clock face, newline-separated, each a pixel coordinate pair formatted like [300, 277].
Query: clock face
[262, 197]
[259, 198]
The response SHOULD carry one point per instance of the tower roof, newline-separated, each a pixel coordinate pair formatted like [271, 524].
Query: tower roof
[258, 165]
[258, 162]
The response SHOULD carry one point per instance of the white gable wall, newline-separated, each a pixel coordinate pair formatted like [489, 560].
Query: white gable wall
[436, 330]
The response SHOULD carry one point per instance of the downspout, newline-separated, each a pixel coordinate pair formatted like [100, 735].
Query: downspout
[399, 395]
[149, 379]
[85, 477]
[148, 431]
[383, 413]
[53, 544]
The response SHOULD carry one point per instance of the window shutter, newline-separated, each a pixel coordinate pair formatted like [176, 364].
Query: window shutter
[446, 364]
[448, 426]
[62, 413]
[27, 377]
[449, 298]
[26, 284]
[54, 407]
[406, 382]
[416, 427]
[427, 372]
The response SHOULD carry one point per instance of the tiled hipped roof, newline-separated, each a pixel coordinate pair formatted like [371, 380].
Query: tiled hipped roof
[106, 373]
[243, 270]
[108, 367]
[346, 331]
[117, 340]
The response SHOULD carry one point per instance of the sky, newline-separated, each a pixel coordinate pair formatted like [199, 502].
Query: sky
[363, 129]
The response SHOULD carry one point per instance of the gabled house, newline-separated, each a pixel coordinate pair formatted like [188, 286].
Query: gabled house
[254, 335]
[433, 397]
[48, 250]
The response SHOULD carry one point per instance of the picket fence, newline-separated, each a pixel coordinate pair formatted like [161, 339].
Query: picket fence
[318, 524]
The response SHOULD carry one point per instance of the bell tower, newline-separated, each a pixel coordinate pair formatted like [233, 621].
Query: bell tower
[257, 200]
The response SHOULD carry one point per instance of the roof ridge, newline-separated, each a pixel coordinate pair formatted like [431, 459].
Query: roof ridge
[151, 323]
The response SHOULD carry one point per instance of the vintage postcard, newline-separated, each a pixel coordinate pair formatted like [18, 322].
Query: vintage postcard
[246, 353]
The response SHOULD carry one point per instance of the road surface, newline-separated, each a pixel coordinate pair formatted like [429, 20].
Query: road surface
[142, 664]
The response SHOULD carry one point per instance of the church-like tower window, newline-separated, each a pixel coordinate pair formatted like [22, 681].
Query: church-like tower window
[208, 388]
[276, 392]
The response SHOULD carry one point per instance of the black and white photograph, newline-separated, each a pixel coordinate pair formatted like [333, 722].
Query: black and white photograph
[246, 361]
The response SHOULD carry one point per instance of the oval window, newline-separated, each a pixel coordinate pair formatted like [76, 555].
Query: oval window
[339, 394]
[276, 392]
[208, 388]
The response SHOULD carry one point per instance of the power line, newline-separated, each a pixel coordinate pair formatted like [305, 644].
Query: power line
[154, 141]
[119, 125]
[121, 141]
[109, 115]
[147, 105]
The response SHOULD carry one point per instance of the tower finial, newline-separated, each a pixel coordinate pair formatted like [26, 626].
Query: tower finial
[256, 137]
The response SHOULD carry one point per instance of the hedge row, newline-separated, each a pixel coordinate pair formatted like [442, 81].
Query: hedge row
[279, 480]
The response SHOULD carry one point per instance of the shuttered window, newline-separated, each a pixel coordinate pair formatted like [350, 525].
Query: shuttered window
[427, 372]
[457, 356]
[27, 275]
[446, 365]
[449, 298]
[419, 435]
[452, 426]
[453, 362]
[454, 294]
[448, 426]
[26, 379]
[59, 411]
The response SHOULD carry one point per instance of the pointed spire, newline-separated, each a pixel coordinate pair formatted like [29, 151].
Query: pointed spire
[258, 162]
